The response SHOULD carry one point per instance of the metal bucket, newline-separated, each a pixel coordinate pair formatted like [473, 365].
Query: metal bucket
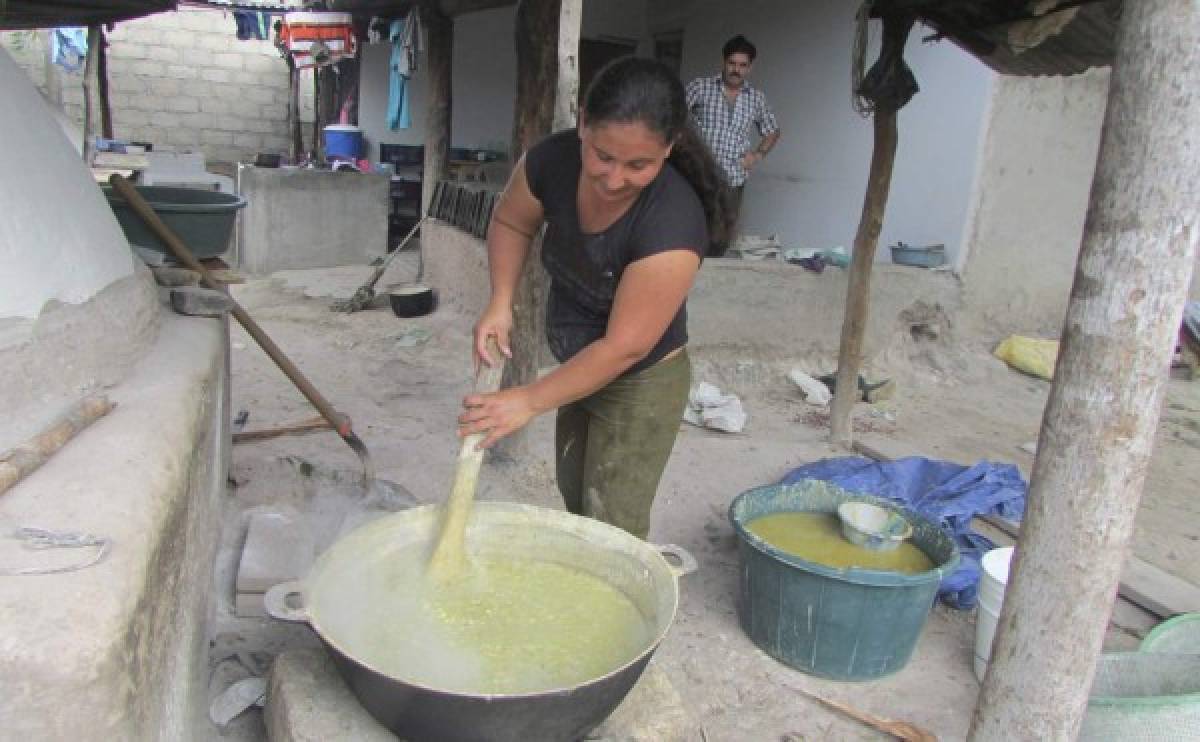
[418, 713]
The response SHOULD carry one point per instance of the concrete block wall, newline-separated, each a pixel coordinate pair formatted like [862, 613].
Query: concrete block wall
[184, 81]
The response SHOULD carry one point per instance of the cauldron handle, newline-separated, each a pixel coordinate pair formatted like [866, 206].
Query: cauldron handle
[687, 562]
[276, 602]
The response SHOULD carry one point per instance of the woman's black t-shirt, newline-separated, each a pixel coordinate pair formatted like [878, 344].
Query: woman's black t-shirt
[586, 268]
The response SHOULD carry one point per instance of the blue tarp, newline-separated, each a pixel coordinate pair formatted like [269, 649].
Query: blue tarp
[948, 494]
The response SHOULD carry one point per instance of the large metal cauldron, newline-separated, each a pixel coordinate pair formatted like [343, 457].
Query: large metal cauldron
[421, 714]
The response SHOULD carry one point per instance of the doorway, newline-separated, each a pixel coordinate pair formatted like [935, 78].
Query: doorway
[594, 54]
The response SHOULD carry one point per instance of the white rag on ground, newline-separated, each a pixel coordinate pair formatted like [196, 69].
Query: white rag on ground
[708, 408]
[815, 393]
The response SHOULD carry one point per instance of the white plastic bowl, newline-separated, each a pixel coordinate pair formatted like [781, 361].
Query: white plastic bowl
[873, 527]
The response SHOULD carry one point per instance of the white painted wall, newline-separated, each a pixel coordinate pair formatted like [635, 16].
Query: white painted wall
[485, 77]
[58, 238]
[810, 190]
[485, 63]
[1042, 137]
[1039, 155]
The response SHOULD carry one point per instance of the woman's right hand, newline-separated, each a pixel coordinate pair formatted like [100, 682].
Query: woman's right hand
[497, 322]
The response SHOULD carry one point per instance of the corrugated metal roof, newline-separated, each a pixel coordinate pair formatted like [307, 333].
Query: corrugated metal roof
[1004, 34]
[16, 14]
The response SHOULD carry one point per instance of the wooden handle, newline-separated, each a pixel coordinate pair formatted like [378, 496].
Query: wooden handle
[126, 190]
[307, 426]
[448, 554]
[19, 462]
[902, 730]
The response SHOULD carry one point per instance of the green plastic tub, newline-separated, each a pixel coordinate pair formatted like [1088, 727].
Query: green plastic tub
[1144, 697]
[1178, 635]
[202, 219]
[842, 624]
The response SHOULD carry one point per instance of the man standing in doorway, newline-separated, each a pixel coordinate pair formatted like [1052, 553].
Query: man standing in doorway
[723, 108]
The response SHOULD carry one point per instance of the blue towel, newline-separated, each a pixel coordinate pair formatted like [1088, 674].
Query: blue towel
[399, 69]
[948, 494]
[68, 48]
[252, 24]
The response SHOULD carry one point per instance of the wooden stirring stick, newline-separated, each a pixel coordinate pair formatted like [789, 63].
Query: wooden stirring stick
[447, 559]
[902, 730]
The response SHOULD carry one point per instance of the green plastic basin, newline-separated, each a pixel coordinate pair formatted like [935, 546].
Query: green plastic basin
[841, 624]
[202, 219]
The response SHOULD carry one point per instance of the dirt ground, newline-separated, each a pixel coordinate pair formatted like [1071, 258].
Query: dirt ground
[402, 381]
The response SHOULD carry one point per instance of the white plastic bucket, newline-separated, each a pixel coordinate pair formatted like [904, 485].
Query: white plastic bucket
[991, 596]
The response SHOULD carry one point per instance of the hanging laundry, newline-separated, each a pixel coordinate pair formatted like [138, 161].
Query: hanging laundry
[377, 30]
[68, 48]
[252, 24]
[405, 36]
[318, 39]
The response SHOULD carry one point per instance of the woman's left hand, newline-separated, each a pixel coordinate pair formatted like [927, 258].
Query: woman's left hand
[496, 415]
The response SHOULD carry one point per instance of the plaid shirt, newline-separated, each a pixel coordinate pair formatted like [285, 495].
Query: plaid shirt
[726, 128]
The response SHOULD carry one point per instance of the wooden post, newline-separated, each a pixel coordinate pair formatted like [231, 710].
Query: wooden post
[537, 38]
[325, 105]
[439, 113]
[294, 125]
[89, 95]
[1131, 282]
[566, 99]
[316, 125]
[866, 239]
[106, 125]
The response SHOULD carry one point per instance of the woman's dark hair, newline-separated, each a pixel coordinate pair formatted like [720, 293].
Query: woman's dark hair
[634, 89]
[739, 45]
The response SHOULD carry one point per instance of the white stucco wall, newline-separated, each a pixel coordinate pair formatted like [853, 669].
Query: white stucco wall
[1039, 155]
[485, 77]
[1041, 141]
[485, 64]
[810, 190]
[44, 255]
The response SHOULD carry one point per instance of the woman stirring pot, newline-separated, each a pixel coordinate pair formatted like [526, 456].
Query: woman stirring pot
[630, 202]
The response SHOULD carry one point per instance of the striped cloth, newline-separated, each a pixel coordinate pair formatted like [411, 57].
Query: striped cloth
[726, 128]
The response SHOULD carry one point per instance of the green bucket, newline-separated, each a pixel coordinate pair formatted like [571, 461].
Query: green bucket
[1143, 697]
[841, 624]
[202, 219]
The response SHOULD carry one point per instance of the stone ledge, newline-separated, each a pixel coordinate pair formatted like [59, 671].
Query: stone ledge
[117, 651]
[307, 701]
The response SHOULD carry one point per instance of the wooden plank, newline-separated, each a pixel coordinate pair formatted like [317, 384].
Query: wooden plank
[1128, 615]
[1156, 590]
[17, 463]
[1142, 583]
[121, 160]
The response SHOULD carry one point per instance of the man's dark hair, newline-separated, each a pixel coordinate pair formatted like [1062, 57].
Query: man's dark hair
[738, 45]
